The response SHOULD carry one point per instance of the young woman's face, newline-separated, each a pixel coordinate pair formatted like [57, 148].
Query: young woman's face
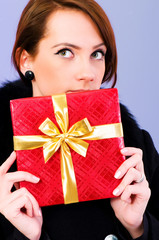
[71, 57]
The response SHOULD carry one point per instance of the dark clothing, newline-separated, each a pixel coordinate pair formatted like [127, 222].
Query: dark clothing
[86, 220]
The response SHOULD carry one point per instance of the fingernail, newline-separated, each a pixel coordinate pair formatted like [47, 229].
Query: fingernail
[37, 179]
[116, 191]
[13, 154]
[124, 150]
[117, 174]
[40, 213]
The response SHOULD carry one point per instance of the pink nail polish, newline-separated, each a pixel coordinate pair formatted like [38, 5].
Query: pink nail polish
[40, 213]
[37, 179]
[124, 150]
[117, 174]
[13, 154]
[116, 191]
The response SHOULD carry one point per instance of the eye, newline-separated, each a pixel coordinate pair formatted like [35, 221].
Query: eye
[66, 53]
[99, 54]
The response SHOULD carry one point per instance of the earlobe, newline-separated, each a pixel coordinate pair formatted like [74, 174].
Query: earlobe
[29, 75]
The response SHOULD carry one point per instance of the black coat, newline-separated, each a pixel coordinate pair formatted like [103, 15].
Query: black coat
[88, 220]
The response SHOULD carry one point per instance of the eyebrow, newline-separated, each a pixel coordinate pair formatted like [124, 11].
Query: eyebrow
[75, 46]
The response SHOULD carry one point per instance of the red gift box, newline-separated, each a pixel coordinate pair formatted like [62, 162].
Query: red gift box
[75, 162]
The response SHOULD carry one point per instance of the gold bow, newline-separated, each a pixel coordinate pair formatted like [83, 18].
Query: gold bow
[54, 139]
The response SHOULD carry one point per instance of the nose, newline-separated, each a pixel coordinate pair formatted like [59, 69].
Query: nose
[85, 71]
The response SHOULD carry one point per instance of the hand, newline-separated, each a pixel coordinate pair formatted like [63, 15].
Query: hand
[133, 194]
[19, 207]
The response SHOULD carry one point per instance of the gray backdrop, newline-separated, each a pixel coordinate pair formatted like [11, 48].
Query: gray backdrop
[136, 27]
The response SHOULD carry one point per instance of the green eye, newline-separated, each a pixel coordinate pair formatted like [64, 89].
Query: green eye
[98, 55]
[63, 53]
[66, 53]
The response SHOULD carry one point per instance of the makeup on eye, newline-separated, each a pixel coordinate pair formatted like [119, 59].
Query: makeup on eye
[65, 52]
[98, 54]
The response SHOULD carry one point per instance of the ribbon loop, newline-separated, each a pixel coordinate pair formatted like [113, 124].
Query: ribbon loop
[49, 128]
[80, 128]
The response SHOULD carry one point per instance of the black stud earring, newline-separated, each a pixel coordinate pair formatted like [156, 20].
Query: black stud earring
[29, 75]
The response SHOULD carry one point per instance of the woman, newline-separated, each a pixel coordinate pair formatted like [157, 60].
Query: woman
[68, 46]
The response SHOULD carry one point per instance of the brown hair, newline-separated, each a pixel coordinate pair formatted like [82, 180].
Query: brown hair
[32, 26]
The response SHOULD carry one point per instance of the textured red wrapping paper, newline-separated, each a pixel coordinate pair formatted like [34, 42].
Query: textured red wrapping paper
[95, 172]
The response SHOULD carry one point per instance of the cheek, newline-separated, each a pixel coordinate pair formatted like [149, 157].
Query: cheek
[100, 73]
[54, 70]
[103, 69]
[45, 71]
[52, 78]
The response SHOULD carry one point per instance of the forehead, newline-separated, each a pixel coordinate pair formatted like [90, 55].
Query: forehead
[72, 24]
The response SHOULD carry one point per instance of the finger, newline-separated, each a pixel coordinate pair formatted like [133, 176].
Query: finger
[14, 195]
[131, 176]
[13, 212]
[20, 206]
[35, 205]
[26, 206]
[8, 163]
[132, 190]
[11, 200]
[22, 176]
[135, 161]
[15, 177]
[129, 151]
[24, 192]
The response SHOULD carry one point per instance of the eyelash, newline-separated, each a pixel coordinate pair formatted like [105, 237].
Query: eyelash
[62, 50]
[99, 51]
[67, 49]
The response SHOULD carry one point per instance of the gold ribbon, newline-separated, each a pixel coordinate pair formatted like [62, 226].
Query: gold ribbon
[73, 138]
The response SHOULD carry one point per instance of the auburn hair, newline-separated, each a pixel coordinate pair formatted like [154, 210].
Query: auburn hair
[32, 26]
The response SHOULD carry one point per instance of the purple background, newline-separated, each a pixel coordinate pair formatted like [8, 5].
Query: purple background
[136, 27]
